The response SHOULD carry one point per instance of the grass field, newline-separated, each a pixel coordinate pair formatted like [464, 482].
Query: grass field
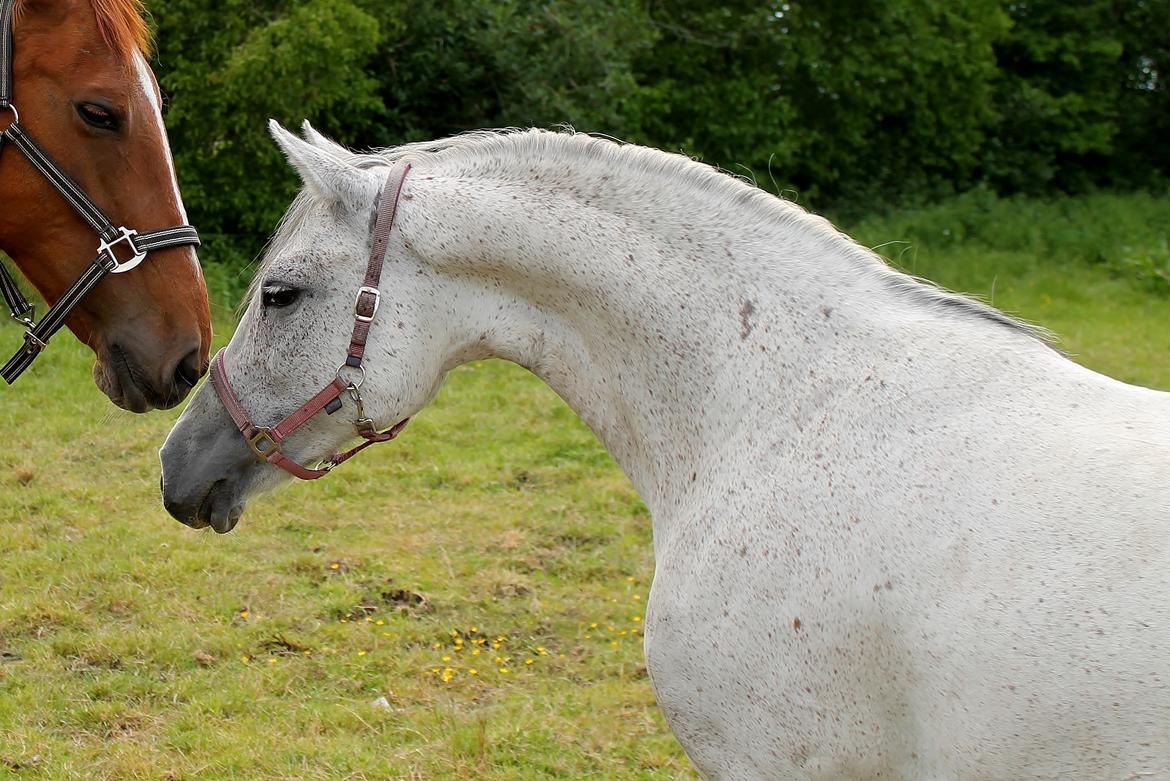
[485, 575]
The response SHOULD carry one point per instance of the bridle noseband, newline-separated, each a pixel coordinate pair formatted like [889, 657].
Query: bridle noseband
[266, 442]
[138, 245]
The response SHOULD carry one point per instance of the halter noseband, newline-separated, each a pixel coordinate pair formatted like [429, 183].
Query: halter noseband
[266, 442]
[137, 244]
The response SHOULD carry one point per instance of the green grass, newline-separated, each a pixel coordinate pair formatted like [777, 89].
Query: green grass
[134, 648]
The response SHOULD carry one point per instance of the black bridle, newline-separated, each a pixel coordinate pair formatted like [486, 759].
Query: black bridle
[37, 334]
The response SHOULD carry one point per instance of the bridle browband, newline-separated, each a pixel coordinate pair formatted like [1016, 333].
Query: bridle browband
[266, 442]
[138, 245]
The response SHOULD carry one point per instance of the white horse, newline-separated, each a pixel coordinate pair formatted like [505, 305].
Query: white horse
[897, 535]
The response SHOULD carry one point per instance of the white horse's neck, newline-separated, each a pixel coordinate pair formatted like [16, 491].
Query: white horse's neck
[666, 315]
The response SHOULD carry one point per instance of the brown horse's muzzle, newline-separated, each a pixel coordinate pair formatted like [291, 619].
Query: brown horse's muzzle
[121, 373]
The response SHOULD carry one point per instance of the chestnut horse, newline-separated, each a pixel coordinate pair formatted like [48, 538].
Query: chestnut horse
[86, 93]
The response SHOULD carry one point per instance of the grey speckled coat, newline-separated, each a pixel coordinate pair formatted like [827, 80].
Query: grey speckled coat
[897, 535]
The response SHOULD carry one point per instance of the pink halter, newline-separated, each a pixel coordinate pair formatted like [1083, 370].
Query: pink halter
[266, 442]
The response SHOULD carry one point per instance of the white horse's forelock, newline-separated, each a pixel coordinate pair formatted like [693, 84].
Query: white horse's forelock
[512, 153]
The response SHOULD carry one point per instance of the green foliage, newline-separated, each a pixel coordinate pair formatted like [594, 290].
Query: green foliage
[895, 96]
[229, 65]
[1087, 229]
[496, 63]
[1149, 263]
[859, 106]
[712, 88]
[1143, 69]
[1057, 93]
[852, 102]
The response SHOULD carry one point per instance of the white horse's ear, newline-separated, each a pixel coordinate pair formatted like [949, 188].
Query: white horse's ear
[324, 144]
[323, 173]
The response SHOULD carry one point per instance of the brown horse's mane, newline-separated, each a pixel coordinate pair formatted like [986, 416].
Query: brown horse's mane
[121, 23]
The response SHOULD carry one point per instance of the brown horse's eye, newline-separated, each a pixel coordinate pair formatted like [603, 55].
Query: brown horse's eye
[97, 116]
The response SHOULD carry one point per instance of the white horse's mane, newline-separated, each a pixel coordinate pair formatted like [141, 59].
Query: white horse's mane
[514, 152]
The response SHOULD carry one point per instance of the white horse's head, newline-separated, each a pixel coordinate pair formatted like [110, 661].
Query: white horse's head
[296, 331]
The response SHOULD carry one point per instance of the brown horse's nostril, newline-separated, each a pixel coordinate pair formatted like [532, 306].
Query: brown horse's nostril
[189, 370]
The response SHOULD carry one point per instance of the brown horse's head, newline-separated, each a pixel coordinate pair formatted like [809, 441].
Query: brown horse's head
[86, 94]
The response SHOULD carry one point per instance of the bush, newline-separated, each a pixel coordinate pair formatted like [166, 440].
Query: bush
[1124, 233]
[859, 106]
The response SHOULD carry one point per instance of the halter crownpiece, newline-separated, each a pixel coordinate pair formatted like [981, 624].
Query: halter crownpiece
[133, 244]
[266, 443]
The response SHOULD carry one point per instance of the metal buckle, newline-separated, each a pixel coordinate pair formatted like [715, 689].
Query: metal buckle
[33, 345]
[357, 302]
[262, 436]
[127, 237]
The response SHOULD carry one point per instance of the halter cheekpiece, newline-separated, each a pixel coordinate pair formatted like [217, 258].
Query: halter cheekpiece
[266, 442]
[133, 245]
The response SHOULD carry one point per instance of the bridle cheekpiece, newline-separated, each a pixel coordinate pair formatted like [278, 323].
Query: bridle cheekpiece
[266, 442]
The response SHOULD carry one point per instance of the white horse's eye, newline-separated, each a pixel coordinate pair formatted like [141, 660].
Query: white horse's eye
[277, 296]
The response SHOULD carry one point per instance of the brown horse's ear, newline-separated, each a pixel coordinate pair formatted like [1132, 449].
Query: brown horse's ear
[328, 177]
